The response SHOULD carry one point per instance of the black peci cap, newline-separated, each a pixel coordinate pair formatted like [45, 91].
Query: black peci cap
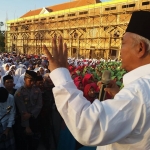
[39, 78]
[31, 74]
[7, 77]
[140, 24]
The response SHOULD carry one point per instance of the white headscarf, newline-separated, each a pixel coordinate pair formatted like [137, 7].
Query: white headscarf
[38, 69]
[3, 69]
[12, 67]
[18, 73]
[22, 66]
[20, 81]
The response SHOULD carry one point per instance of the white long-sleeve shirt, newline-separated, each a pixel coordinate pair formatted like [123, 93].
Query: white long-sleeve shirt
[9, 119]
[122, 123]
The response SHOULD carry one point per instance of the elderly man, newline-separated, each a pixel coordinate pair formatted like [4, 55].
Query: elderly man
[120, 123]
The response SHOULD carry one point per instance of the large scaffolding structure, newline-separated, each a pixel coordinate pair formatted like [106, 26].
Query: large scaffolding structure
[92, 31]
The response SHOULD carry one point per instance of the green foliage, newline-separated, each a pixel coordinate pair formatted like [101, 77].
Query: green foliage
[2, 42]
[1, 24]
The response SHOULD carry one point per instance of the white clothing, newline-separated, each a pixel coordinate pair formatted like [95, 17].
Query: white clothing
[2, 82]
[122, 123]
[12, 67]
[9, 119]
[18, 73]
[22, 66]
[3, 69]
[20, 81]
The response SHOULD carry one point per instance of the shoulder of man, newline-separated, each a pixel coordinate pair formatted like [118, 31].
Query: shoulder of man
[19, 91]
[36, 89]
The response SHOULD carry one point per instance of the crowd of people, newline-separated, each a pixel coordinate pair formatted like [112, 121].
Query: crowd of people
[26, 87]
[29, 94]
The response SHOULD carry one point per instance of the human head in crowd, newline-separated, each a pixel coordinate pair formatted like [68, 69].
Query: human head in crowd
[6, 67]
[4, 95]
[19, 81]
[47, 81]
[79, 78]
[42, 71]
[10, 72]
[30, 78]
[8, 82]
[88, 78]
[136, 42]
[22, 66]
[40, 82]
[20, 71]
[90, 92]
[79, 85]
[38, 73]
[30, 67]
[47, 71]
[37, 66]
[12, 67]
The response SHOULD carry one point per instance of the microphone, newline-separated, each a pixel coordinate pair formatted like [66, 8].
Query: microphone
[106, 77]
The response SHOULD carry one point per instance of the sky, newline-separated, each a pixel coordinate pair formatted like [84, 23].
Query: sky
[13, 9]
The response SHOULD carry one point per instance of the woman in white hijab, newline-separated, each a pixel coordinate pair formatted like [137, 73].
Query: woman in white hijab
[18, 73]
[20, 81]
[4, 68]
[40, 71]
[22, 66]
[1, 81]
[12, 67]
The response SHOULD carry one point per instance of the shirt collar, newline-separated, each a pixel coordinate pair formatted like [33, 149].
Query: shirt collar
[136, 73]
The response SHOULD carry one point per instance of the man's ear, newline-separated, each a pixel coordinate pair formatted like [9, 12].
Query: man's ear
[141, 51]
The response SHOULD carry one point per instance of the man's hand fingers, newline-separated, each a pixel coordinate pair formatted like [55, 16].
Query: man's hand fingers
[99, 83]
[54, 48]
[48, 54]
[65, 53]
[109, 91]
[112, 91]
[60, 54]
[60, 47]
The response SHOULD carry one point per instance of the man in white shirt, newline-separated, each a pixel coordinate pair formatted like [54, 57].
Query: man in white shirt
[122, 123]
[7, 120]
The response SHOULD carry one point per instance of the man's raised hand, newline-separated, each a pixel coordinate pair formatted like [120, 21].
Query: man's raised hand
[60, 54]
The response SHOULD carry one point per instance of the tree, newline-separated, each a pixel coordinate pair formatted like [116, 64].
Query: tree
[2, 41]
[1, 24]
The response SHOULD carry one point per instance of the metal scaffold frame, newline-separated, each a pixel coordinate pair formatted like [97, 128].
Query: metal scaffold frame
[92, 31]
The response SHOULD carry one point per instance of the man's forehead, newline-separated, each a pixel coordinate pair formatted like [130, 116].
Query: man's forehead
[8, 80]
[125, 36]
[31, 79]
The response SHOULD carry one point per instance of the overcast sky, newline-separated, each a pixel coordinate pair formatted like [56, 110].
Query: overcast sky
[12, 9]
